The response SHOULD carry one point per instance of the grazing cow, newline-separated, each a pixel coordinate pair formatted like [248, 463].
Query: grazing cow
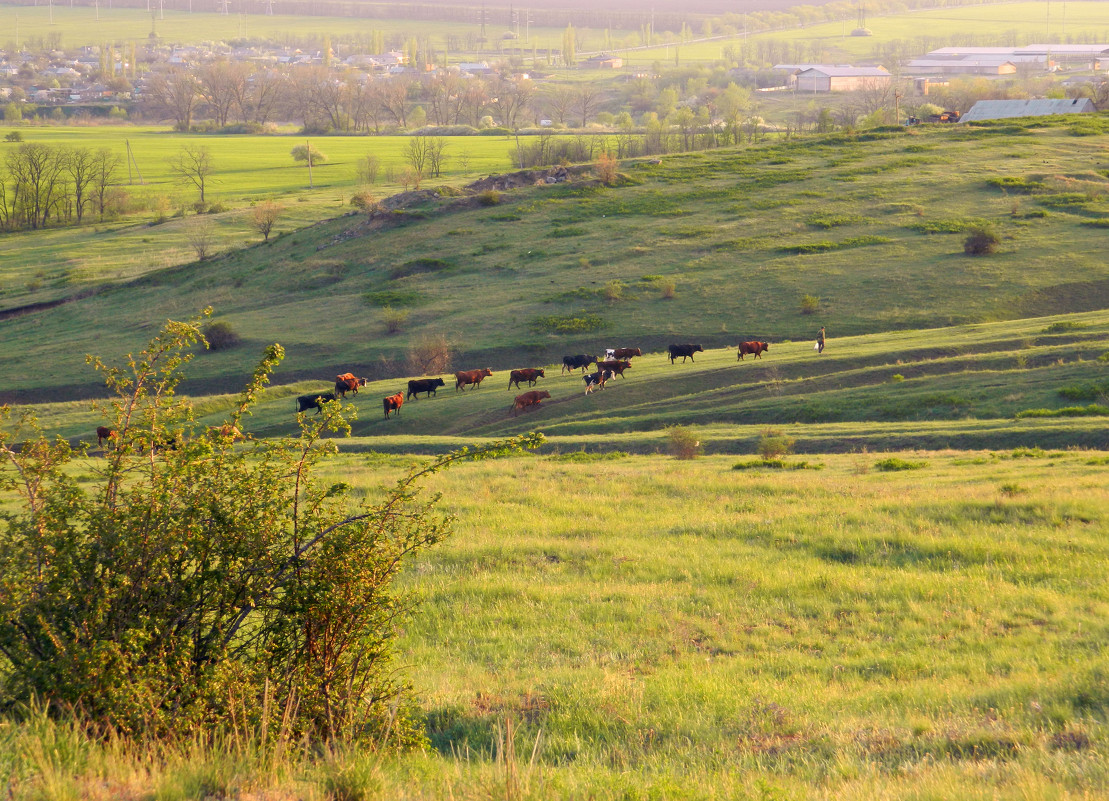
[529, 374]
[685, 351]
[615, 366]
[475, 377]
[626, 353]
[103, 433]
[572, 363]
[597, 379]
[314, 401]
[393, 403]
[529, 399]
[348, 382]
[428, 385]
[754, 348]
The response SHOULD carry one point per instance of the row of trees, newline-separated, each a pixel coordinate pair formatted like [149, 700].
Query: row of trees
[42, 183]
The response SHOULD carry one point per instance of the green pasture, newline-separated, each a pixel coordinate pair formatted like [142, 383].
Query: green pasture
[43, 265]
[86, 25]
[969, 387]
[639, 627]
[1022, 21]
[860, 234]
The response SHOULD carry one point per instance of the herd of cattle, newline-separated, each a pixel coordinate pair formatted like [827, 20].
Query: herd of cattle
[611, 365]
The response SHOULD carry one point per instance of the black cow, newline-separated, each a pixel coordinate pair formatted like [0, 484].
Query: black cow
[428, 385]
[314, 401]
[684, 351]
[597, 379]
[572, 363]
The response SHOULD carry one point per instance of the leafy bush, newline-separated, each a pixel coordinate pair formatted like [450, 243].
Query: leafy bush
[568, 325]
[981, 242]
[833, 220]
[13, 136]
[301, 153]
[394, 319]
[893, 464]
[774, 444]
[606, 168]
[775, 464]
[367, 201]
[220, 335]
[1062, 200]
[490, 197]
[193, 580]
[810, 304]
[1063, 326]
[588, 456]
[824, 247]
[683, 443]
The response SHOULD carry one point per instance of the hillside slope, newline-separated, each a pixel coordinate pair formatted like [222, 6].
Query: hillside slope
[860, 233]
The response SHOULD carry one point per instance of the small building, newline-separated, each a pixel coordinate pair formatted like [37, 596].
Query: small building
[963, 66]
[840, 79]
[603, 61]
[1008, 109]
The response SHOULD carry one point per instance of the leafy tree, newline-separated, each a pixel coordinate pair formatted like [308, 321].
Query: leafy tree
[194, 581]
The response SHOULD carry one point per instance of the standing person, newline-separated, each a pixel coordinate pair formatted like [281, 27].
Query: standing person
[820, 341]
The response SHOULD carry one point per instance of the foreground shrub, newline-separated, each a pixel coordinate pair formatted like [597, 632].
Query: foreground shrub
[301, 154]
[774, 444]
[894, 464]
[193, 581]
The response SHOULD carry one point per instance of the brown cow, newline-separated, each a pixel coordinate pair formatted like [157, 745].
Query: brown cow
[753, 347]
[348, 382]
[475, 377]
[529, 399]
[626, 353]
[104, 433]
[529, 374]
[616, 366]
[393, 403]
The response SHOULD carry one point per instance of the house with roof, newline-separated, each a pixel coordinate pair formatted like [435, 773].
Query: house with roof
[826, 78]
[1040, 107]
[963, 66]
[603, 61]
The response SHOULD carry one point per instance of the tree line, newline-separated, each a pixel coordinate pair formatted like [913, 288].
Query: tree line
[41, 183]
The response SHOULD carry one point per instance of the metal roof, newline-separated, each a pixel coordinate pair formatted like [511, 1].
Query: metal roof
[1007, 109]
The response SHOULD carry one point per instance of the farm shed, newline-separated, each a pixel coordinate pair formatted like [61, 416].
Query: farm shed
[1007, 109]
[840, 79]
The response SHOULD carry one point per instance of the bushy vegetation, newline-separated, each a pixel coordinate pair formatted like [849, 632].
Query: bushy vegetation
[220, 335]
[192, 582]
[981, 242]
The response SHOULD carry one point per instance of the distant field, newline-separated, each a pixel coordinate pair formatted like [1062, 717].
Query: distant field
[41, 265]
[1041, 21]
[78, 26]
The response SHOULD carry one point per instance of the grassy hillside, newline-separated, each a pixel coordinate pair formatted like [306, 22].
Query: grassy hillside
[1034, 383]
[714, 247]
[646, 628]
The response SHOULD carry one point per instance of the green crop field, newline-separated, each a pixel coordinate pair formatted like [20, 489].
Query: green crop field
[864, 626]
[44, 265]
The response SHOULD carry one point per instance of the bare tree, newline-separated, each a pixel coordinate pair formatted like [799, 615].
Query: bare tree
[200, 233]
[587, 101]
[417, 154]
[258, 97]
[193, 165]
[513, 95]
[435, 158]
[559, 100]
[81, 164]
[874, 94]
[37, 172]
[264, 217]
[393, 97]
[176, 94]
[105, 165]
[222, 85]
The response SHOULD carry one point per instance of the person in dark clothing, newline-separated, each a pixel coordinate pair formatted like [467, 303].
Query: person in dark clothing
[820, 341]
